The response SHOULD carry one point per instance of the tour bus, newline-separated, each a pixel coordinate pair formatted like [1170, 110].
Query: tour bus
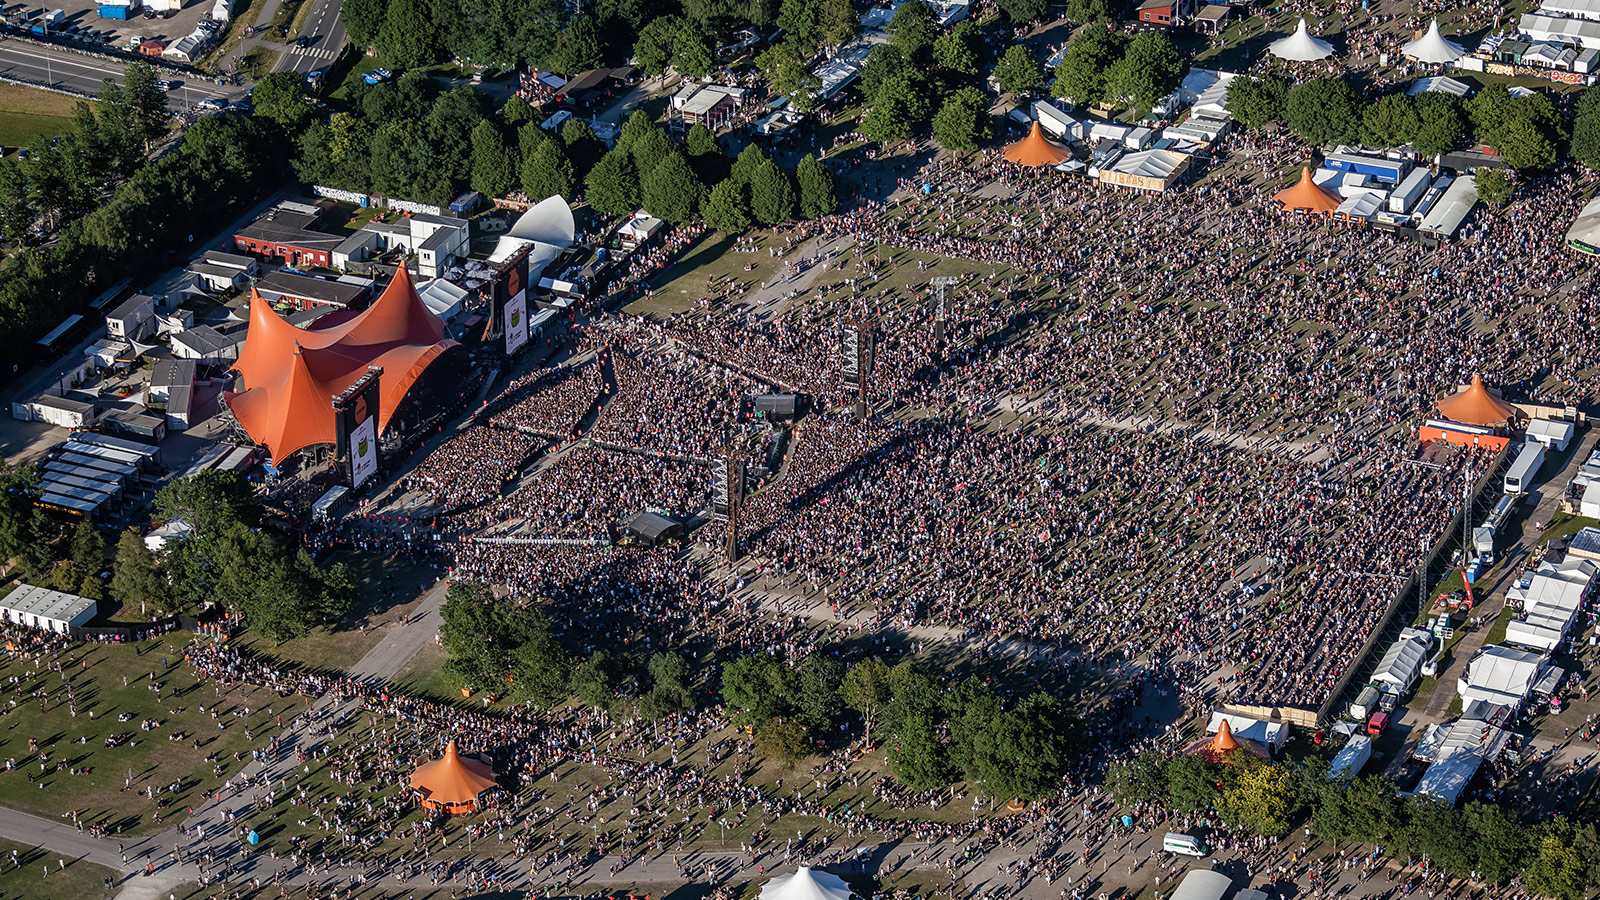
[1186, 844]
[1521, 475]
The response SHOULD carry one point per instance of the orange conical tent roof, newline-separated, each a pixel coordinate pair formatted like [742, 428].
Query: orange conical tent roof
[452, 779]
[1224, 741]
[292, 374]
[1308, 195]
[1476, 406]
[1037, 150]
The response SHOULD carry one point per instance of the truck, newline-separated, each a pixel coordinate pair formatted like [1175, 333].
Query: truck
[1520, 477]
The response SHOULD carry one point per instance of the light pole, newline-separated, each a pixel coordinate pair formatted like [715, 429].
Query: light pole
[724, 823]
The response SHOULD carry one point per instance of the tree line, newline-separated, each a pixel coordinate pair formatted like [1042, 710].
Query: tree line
[1558, 858]
[936, 731]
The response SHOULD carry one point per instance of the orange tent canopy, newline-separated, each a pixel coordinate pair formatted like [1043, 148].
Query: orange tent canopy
[452, 781]
[1224, 741]
[1036, 150]
[1476, 406]
[1308, 195]
[291, 375]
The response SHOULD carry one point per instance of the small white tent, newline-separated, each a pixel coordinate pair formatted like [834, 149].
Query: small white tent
[1301, 46]
[805, 884]
[1433, 48]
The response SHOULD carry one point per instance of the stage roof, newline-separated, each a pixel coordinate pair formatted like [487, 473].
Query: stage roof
[1036, 150]
[1476, 406]
[1306, 194]
[291, 375]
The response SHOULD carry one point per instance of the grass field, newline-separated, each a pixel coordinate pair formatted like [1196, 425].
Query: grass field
[80, 880]
[28, 115]
[71, 737]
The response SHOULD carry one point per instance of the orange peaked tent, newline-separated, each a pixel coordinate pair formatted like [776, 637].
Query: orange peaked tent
[1476, 406]
[452, 784]
[291, 375]
[1308, 195]
[1036, 150]
[1219, 747]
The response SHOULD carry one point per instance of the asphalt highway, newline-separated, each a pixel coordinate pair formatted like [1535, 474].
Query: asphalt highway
[63, 68]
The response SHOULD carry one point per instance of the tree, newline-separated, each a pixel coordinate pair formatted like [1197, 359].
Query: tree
[817, 196]
[700, 141]
[801, 21]
[1494, 188]
[817, 690]
[784, 741]
[1321, 111]
[281, 98]
[597, 679]
[1586, 129]
[1500, 843]
[771, 195]
[579, 46]
[546, 172]
[653, 46]
[1525, 130]
[1028, 751]
[912, 28]
[692, 53]
[1256, 101]
[900, 105]
[1390, 122]
[1087, 12]
[1557, 870]
[1018, 11]
[1191, 786]
[542, 671]
[16, 207]
[1147, 72]
[1260, 798]
[917, 756]
[880, 65]
[1364, 811]
[837, 23]
[962, 123]
[866, 689]
[745, 166]
[1081, 77]
[516, 112]
[409, 38]
[727, 208]
[583, 149]
[1525, 144]
[151, 118]
[672, 192]
[134, 577]
[209, 501]
[758, 685]
[669, 687]
[363, 19]
[1018, 72]
[22, 525]
[953, 51]
[492, 171]
[613, 185]
[784, 66]
[1442, 123]
[1138, 780]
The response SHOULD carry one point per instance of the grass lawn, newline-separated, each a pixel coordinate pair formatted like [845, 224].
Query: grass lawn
[1564, 525]
[389, 588]
[28, 116]
[80, 880]
[258, 62]
[36, 707]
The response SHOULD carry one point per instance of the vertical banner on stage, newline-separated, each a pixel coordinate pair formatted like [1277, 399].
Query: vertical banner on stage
[363, 451]
[516, 305]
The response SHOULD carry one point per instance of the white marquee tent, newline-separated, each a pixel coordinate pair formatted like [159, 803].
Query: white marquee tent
[1301, 46]
[1500, 674]
[805, 884]
[1433, 48]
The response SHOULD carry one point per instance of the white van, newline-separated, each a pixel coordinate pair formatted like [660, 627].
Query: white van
[1187, 844]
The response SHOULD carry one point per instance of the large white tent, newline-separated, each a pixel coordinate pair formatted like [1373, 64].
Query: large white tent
[1433, 48]
[805, 884]
[1301, 46]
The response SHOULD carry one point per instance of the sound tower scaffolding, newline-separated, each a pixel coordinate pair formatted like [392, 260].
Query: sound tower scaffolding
[727, 495]
[355, 416]
[856, 346]
[941, 316]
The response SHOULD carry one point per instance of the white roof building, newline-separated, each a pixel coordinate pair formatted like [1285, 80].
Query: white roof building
[1433, 48]
[442, 298]
[1577, 9]
[1401, 665]
[1439, 84]
[1301, 46]
[1503, 675]
[1551, 603]
[175, 531]
[806, 883]
[36, 607]
[1272, 735]
[1540, 27]
[548, 222]
[1552, 433]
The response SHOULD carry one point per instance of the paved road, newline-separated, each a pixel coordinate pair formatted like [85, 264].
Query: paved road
[391, 654]
[63, 68]
[325, 40]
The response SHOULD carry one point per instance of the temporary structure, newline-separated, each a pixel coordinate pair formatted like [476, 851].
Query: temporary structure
[1433, 48]
[1307, 195]
[1301, 46]
[805, 884]
[1220, 747]
[452, 784]
[1037, 150]
[1476, 406]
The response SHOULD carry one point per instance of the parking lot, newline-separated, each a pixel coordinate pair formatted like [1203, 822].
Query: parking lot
[83, 25]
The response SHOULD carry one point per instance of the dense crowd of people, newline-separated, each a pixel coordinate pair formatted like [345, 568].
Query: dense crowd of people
[469, 467]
